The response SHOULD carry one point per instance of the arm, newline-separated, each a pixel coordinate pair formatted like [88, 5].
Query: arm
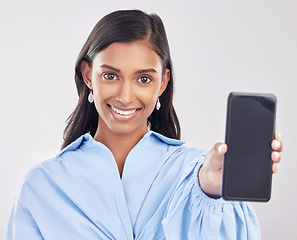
[22, 225]
[192, 214]
[210, 174]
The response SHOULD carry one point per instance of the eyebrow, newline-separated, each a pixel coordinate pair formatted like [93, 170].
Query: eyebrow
[110, 67]
[152, 70]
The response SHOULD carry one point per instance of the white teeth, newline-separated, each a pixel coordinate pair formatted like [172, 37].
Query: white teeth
[126, 113]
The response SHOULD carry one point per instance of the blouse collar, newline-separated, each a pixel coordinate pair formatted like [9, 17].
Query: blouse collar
[85, 138]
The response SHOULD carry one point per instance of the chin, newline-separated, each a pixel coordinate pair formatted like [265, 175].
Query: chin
[126, 129]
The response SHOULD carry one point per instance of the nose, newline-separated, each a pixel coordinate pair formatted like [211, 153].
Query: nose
[126, 93]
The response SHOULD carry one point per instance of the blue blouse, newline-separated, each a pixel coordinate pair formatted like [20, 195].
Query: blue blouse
[79, 195]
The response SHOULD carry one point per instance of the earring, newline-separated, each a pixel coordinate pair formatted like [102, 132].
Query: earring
[158, 105]
[90, 97]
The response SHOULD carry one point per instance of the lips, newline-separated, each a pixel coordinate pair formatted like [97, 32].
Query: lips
[123, 114]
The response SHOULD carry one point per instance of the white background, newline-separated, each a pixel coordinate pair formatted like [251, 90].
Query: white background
[217, 47]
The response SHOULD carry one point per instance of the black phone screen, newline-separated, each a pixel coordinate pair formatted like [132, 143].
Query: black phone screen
[247, 171]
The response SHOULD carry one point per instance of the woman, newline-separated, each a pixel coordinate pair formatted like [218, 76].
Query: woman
[123, 173]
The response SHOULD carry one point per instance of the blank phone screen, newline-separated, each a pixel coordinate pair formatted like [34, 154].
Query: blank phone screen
[247, 169]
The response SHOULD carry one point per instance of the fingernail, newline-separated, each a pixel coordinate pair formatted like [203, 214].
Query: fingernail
[276, 144]
[276, 155]
[220, 148]
[276, 167]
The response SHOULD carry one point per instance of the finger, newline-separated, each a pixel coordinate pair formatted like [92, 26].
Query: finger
[277, 135]
[277, 145]
[215, 156]
[275, 157]
[275, 167]
[221, 148]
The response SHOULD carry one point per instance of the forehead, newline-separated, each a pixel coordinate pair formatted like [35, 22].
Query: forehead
[136, 55]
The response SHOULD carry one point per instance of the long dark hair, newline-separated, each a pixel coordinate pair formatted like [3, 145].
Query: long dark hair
[123, 26]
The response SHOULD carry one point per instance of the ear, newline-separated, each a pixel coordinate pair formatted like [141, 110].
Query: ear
[165, 80]
[86, 73]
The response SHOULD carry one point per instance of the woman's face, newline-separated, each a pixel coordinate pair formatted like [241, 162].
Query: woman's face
[126, 79]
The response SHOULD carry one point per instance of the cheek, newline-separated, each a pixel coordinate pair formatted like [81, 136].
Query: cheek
[103, 92]
[149, 96]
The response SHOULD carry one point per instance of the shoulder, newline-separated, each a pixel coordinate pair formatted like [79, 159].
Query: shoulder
[179, 145]
[72, 152]
[178, 153]
[60, 171]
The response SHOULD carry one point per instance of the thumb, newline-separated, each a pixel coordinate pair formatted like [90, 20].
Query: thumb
[214, 158]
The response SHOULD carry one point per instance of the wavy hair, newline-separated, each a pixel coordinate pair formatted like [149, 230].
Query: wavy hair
[123, 26]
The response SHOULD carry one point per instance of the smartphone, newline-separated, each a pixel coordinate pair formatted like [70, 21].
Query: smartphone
[247, 169]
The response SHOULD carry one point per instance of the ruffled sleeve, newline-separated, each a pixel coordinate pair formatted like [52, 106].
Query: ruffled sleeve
[21, 225]
[191, 214]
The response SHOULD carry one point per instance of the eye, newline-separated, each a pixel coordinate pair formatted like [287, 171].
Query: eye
[144, 80]
[110, 76]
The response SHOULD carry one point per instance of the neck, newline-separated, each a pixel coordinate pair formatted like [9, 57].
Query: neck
[120, 144]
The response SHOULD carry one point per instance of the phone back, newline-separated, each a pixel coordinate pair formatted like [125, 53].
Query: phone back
[247, 171]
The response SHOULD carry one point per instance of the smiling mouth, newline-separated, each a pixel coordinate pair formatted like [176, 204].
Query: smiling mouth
[127, 112]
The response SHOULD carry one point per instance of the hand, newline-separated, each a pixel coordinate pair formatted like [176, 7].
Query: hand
[211, 173]
[277, 146]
